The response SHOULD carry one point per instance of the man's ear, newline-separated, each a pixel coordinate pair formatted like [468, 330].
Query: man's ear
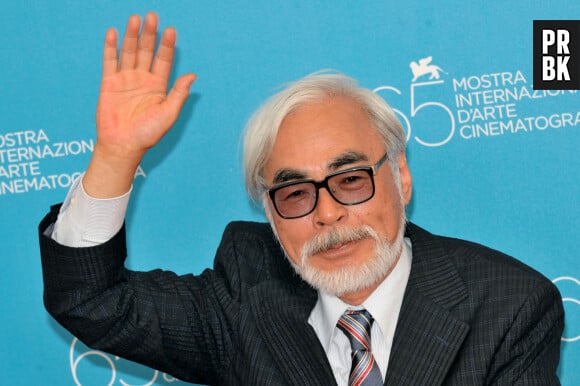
[406, 179]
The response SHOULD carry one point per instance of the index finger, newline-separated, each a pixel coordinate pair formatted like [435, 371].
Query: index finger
[164, 58]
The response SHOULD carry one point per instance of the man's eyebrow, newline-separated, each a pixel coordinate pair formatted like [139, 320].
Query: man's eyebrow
[347, 158]
[344, 159]
[285, 175]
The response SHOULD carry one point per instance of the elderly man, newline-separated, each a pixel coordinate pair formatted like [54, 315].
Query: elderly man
[377, 300]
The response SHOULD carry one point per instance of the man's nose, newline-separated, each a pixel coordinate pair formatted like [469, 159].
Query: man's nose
[328, 211]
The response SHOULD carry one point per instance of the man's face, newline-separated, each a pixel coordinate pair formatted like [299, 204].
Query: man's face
[319, 139]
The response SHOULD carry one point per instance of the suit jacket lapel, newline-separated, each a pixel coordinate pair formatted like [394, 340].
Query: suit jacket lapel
[282, 312]
[428, 335]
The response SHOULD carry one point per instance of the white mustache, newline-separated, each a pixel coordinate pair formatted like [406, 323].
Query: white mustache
[335, 237]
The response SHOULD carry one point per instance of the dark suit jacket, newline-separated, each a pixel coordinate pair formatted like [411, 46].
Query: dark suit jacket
[470, 315]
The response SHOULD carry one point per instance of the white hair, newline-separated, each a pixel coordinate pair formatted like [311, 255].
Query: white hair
[262, 128]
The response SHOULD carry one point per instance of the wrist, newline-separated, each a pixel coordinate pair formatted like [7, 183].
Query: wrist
[110, 172]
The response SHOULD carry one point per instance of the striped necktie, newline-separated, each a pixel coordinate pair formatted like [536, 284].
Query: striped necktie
[356, 325]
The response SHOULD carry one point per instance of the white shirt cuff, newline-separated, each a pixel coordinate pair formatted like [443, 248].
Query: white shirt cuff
[85, 221]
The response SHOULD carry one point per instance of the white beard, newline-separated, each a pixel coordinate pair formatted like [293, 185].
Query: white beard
[344, 280]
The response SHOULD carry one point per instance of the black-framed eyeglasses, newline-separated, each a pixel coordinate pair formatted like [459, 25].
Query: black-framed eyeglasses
[348, 187]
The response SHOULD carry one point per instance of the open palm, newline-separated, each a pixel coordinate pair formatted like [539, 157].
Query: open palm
[135, 110]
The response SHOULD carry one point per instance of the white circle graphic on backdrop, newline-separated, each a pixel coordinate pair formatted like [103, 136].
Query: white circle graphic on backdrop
[570, 300]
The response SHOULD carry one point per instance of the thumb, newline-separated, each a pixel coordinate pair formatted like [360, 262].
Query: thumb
[179, 93]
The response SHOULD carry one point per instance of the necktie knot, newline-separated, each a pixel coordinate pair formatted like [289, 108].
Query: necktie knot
[356, 325]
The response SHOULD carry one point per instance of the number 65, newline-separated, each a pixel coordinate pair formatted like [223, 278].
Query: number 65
[415, 108]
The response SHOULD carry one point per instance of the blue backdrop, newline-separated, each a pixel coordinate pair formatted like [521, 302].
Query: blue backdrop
[493, 161]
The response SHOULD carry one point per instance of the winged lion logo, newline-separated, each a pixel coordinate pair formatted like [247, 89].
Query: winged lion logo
[425, 67]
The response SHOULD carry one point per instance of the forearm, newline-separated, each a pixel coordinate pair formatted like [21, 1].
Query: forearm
[155, 318]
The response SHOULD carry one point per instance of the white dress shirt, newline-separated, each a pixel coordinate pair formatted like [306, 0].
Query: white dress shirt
[85, 221]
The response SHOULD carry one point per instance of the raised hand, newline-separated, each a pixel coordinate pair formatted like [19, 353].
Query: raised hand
[134, 110]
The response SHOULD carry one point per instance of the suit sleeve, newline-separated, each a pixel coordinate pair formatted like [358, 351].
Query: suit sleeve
[181, 325]
[530, 352]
